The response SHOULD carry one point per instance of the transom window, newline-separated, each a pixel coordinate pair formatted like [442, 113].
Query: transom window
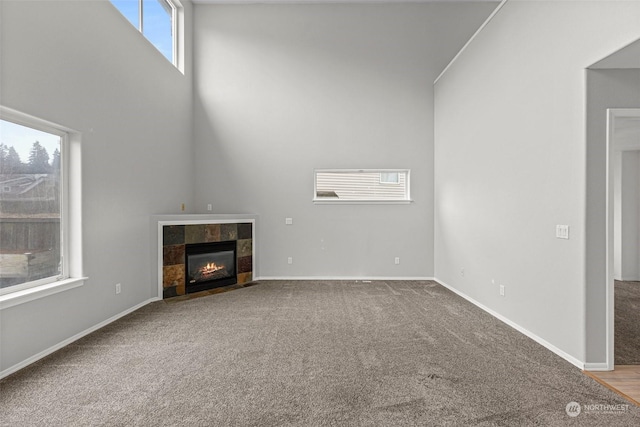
[361, 186]
[156, 20]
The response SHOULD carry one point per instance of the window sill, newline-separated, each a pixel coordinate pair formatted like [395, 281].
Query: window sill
[361, 202]
[20, 297]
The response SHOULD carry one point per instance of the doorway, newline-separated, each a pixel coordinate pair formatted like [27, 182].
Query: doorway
[623, 237]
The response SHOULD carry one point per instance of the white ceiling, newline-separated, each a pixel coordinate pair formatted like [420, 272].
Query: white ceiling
[627, 57]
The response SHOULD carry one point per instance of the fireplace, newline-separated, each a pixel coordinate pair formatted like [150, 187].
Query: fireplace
[176, 232]
[210, 265]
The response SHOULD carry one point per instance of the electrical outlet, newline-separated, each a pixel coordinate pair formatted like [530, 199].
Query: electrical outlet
[288, 221]
[462, 272]
[290, 260]
[501, 290]
[562, 231]
[209, 207]
[397, 260]
[182, 207]
[118, 288]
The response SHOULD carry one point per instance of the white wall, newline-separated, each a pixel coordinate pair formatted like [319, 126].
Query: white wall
[605, 89]
[630, 215]
[627, 215]
[83, 66]
[284, 89]
[510, 158]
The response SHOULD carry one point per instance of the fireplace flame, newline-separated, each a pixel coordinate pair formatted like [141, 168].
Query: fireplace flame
[211, 267]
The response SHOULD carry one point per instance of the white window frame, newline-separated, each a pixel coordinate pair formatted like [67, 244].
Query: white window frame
[70, 216]
[176, 29]
[331, 201]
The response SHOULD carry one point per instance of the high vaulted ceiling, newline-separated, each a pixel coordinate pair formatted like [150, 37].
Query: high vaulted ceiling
[334, 1]
[627, 57]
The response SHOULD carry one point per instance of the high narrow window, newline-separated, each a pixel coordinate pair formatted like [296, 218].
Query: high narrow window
[361, 185]
[156, 20]
[32, 194]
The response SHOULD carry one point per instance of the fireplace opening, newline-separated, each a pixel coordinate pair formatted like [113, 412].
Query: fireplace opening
[210, 265]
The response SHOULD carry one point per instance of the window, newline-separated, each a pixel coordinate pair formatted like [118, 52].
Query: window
[389, 178]
[156, 20]
[34, 204]
[361, 186]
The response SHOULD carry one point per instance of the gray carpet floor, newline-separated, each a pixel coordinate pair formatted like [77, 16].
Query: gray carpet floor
[627, 323]
[281, 353]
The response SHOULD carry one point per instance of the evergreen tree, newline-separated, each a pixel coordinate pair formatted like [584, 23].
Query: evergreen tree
[55, 162]
[39, 159]
[12, 163]
[4, 152]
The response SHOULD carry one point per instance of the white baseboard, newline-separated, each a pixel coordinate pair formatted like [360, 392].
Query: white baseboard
[344, 278]
[524, 331]
[596, 367]
[68, 341]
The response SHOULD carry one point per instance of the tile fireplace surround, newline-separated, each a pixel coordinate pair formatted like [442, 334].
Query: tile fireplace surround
[175, 231]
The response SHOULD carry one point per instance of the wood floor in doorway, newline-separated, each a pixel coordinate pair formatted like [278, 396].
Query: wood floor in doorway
[624, 380]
